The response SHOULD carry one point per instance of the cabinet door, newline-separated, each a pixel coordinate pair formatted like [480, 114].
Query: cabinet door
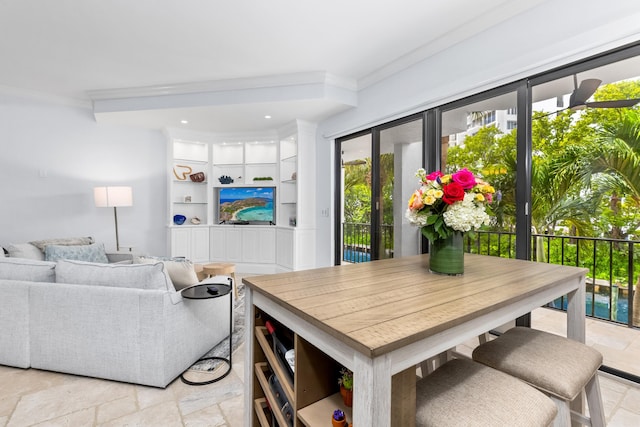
[218, 244]
[180, 242]
[233, 244]
[200, 244]
[284, 248]
[258, 245]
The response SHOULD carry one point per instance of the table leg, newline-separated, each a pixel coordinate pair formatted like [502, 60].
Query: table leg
[576, 313]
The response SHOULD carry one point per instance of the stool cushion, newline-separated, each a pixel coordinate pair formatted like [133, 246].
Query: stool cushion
[554, 364]
[465, 393]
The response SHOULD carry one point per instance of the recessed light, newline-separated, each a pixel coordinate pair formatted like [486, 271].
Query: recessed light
[184, 122]
[267, 116]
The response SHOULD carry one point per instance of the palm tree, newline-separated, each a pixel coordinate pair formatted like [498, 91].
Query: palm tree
[619, 158]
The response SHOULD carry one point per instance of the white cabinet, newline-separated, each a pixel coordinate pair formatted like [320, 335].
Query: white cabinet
[243, 244]
[190, 242]
[259, 245]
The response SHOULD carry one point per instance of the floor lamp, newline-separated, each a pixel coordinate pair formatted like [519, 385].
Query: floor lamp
[106, 197]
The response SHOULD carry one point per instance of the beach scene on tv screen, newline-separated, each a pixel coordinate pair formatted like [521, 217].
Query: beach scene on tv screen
[246, 204]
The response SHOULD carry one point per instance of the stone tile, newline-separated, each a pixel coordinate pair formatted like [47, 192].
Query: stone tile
[84, 417]
[624, 418]
[164, 414]
[194, 398]
[631, 401]
[18, 382]
[8, 405]
[76, 394]
[151, 396]
[116, 409]
[233, 410]
[3, 421]
[210, 416]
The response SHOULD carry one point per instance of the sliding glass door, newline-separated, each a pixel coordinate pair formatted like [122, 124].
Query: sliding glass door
[377, 176]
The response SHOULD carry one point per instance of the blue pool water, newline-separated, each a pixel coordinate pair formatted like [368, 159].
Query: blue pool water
[350, 255]
[601, 309]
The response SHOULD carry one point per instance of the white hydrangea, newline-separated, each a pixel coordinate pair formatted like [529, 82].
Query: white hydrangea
[415, 219]
[465, 215]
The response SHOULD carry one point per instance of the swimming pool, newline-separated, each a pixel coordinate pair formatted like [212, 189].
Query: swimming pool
[601, 309]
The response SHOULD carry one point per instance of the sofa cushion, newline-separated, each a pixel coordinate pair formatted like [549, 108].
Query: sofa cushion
[25, 250]
[30, 270]
[181, 272]
[140, 276]
[90, 253]
[64, 241]
[3, 252]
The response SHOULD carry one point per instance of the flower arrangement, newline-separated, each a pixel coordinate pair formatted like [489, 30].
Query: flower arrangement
[445, 203]
[346, 379]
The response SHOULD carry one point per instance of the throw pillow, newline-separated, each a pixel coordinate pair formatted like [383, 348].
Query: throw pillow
[30, 270]
[89, 253]
[181, 272]
[2, 252]
[140, 276]
[25, 250]
[62, 241]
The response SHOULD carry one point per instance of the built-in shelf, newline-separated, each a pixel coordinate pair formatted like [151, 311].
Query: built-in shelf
[319, 413]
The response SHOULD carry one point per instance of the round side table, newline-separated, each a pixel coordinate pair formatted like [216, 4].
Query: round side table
[208, 291]
[222, 269]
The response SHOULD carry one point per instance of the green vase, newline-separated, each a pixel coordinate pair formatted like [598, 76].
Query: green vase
[446, 256]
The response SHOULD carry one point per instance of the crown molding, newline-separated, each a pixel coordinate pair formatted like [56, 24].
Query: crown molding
[45, 97]
[294, 79]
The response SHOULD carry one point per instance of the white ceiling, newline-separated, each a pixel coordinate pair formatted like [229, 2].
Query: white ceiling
[129, 50]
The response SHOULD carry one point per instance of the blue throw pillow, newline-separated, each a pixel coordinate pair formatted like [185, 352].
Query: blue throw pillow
[89, 253]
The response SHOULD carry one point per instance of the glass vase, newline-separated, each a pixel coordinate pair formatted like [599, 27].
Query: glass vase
[446, 256]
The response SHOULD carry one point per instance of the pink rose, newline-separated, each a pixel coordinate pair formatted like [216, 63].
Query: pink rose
[465, 178]
[434, 175]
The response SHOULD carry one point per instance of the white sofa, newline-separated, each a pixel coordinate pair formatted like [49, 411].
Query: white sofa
[119, 322]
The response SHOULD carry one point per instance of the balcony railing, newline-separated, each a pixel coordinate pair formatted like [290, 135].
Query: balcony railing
[610, 262]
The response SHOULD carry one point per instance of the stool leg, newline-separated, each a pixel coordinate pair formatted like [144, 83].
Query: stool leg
[563, 418]
[594, 400]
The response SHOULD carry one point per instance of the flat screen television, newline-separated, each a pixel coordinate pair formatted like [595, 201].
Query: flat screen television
[246, 205]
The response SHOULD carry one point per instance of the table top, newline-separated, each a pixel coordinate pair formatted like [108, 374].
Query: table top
[380, 306]
[206, 291]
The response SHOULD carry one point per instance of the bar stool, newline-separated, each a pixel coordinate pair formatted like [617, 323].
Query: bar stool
[465, 393]
[560, 367]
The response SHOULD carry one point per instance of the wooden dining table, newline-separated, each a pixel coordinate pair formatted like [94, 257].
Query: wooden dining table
[382, 318]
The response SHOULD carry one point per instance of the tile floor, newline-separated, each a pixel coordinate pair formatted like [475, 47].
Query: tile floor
[39, 398]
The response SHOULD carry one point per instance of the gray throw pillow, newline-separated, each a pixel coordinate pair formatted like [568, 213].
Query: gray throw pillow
[63, 241]
[139, 276]
[89, 253]
[181, 272]
[29, 270]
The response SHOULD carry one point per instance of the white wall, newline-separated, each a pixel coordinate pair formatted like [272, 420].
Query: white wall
[51, 158]
[553, 34]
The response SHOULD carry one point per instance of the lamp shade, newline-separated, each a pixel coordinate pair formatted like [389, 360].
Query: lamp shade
[107, 197]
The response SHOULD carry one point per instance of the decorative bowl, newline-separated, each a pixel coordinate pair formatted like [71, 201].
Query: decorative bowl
[179, 219]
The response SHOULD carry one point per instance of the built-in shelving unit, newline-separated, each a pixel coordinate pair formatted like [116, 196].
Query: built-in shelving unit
[282, 159]
[288, 214]
[244, 162]
[313, 395]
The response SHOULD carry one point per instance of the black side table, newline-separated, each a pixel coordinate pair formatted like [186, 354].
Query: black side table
[207, 291]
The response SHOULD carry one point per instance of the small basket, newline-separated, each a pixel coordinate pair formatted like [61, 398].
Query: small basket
[197, 177]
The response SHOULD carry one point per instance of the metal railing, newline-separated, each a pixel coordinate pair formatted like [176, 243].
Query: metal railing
[356, 241]
[611, 262]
